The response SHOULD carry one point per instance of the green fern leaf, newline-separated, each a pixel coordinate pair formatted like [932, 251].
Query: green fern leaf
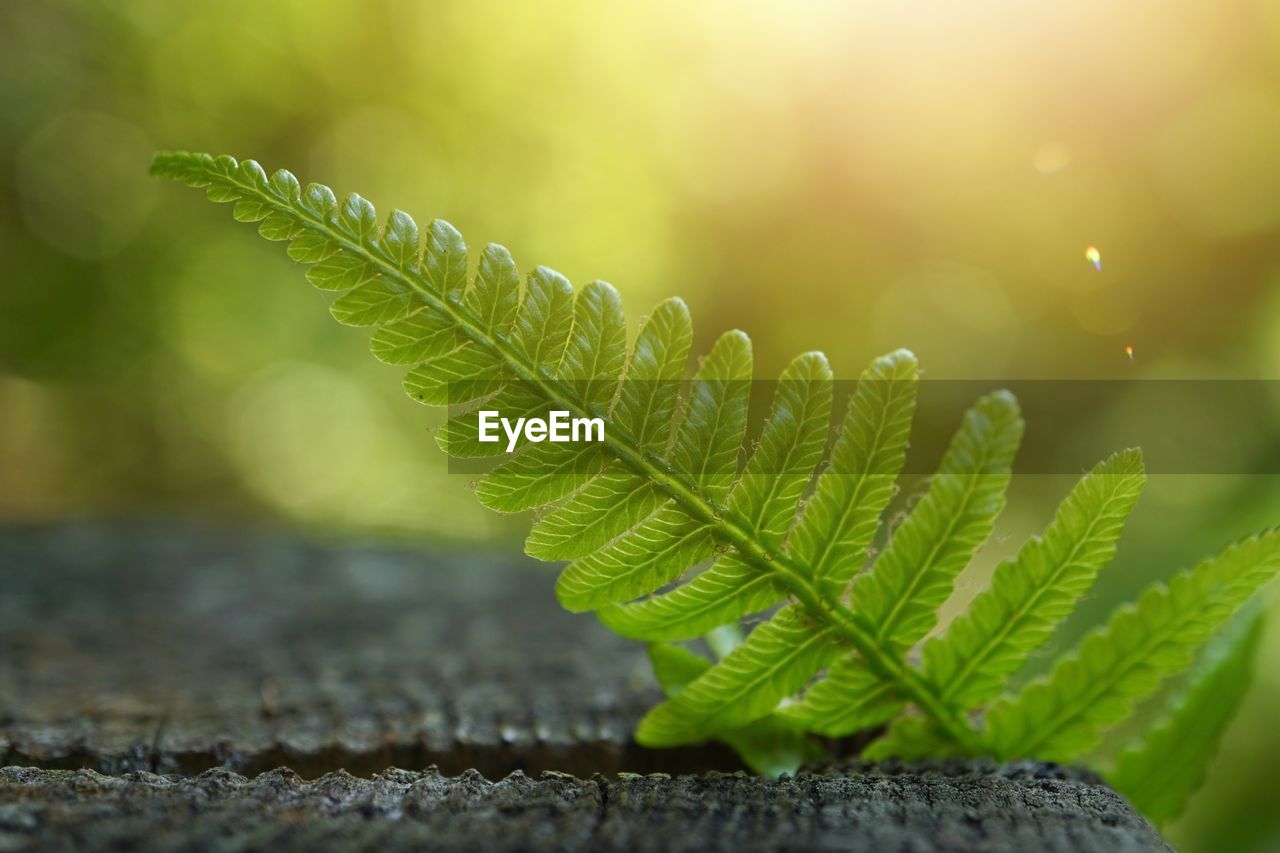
[658, 361]
[545, 319]
[539, 475]
[1159, 772]
[765, 496]
[914, 575]
[597, 347]
[774, 662]
[910, 738]
[670, 541]
[900, 595]
[851, 494]
[1032, 593]
[674, 529]
[495, 295]
[715, 420]
[1061, 716]
[1029, 596]
[608, 506]
[767, 493]
[724, 593]
[770, 746]
[849, 699]
[644, 558]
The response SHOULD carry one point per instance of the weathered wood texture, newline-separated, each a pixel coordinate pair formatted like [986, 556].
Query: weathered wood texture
[136, 650]
[174, 650]
[947, 807]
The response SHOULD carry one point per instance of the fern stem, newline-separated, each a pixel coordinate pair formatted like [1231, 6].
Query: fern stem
[727, 526]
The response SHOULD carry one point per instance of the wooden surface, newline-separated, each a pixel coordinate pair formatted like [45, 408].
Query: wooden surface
[941, 808]
[135, 650]
[176, 650]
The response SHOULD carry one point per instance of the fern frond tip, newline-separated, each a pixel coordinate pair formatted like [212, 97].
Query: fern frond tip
[179, 165]
[1127, 461]
[902, 355]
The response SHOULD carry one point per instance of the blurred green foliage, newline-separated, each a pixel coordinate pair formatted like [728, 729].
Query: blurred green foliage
[851, 177]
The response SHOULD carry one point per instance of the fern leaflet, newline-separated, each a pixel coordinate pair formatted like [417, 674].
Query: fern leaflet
[770, 745]
[1160, 771]
[1063, 714]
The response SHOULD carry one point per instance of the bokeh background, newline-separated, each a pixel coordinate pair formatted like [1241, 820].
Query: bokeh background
[847, 176]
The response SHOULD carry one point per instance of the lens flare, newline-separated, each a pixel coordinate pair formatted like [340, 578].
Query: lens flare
[1093, 256]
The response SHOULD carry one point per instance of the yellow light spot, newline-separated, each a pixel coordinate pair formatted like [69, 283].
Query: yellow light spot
[1093, 256]
[1129, 351]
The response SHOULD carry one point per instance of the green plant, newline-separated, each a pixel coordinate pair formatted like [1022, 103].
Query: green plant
[1160, 770]
[790, 529]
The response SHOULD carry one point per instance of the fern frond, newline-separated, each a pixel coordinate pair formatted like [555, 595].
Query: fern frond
[675, 529]
[1061, 716]
[1159, 772]
[467, 340]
